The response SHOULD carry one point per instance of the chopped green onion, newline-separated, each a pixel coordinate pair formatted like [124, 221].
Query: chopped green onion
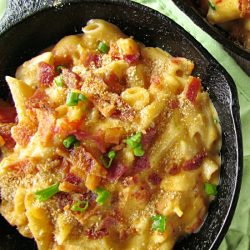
[134, 142]
[210, 189]
[82, 97]
[80, 206]
[72, 99]
[59, 81]
[211, 5]
[59, 69]
[107, 159]
[159, 223]
[138, 151]
[103, 47]
[69, 141]
[102, 195]
[45, 194]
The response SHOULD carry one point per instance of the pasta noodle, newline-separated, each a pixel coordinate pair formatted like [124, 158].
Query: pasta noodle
[115, 145]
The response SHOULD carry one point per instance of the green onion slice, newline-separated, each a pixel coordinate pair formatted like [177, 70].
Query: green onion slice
[138, 151]
[102, 195]
[211, 5]
[80, 206]
[73, 98]
[103, 47]
[134, 142]
[59, 69]
[159, 223]
[210, 189]
[107, 159]
[59, 81]
[70, 140]
[47, 193]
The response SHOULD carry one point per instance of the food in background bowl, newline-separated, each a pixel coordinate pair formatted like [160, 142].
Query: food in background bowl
[231, 15]
[117, 145]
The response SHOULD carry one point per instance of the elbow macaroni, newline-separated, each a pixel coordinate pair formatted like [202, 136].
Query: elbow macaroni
[105, 143]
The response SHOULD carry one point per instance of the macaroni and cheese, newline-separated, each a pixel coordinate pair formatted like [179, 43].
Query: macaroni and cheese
[115, 145]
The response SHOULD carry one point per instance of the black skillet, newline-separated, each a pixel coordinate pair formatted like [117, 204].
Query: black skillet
[236, 49]
[30, 26]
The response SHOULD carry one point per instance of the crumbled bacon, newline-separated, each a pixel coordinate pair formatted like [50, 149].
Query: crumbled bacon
[23, 132]
[193, 89]
[93, 233]
[195, 162]
[64, 199]
[71, 79]
[97, 138]
[116, 171]
[113, 83]
[46, 74]
[73, 179]
[93, 59]
[46, 121]
[141, 163]
[148, 138]
[7, 114]
[38, 100]
[174, 170]
[5, 133]
[132, 59]
[155, 179]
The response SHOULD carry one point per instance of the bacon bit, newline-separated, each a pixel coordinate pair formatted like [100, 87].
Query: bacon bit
[46, 74]
[71, 79]
[219, 1]
[66, 127]
[116, 171]
[19, 166]
[132, 59]
[113, 135]
[7, 114]
[38, 100]
[73, 179]
[23, 132]
[113, 83]
[141, 164]
[155, 179]
[46, 121]
[174, 104]
[193, 89]
[93, 234]
[64, 199]
[69, 187]
[5, 133]
[174, 170]
[83, 160]
[92, 59]
[114, 52]
[194, 163]
[97, 138]
[148, 138]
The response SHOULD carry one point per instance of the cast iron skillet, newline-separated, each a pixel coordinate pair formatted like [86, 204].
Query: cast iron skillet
[26, 31]
[213, 30]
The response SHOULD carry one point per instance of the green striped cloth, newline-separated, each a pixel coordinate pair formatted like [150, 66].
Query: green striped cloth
[237, 237]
